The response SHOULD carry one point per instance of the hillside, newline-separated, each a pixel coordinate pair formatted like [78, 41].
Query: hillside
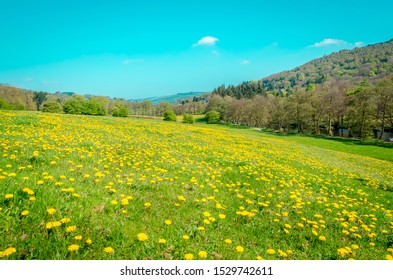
[371, 62]
[351, 67]
[173, 99]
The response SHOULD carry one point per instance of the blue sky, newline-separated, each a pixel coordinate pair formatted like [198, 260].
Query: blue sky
[134, 49]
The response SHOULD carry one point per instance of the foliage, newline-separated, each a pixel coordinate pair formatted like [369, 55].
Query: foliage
[213, 116]
[120, 110]
[39, 98]
[52, 107]
[170, 116]
[75, 105]
[188, 118]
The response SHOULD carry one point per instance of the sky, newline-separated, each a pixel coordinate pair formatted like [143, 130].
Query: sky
[135, 49]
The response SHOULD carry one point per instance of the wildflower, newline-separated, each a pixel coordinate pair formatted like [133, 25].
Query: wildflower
[201, 228]
[206, 214]
[73, 248]
[25, 213]
[189, 256]
[162, 241]
[355, 247]
[88, 241]
[221, 216]
[65, 220]
[389, 257]
[147, 204]
[182, 198]
[70, 228]
[282, 254]
[9, 251]
[114, 202]
[142, 237]
[202, 254]
[228, 241]
[78, 237]
[40, 182]
[51, 211]
[322, 238]
[168, 222]
[109, 250]
[186, 237]
[270, 251]
[32, 198]
[9, 196]
[260, 258]
[239, 249]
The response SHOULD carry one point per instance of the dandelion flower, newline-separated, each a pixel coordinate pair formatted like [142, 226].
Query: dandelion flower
[221, 216]
[239, 249]
[51, 211]
[186, 237]
[201, 228]
[109, 250]
[168, 222]
[9, 196]
[142, 237]
[73, 248]
[9, 251]
[389, 257]
[260, 258]
[78, 237]
[322, 238]
[189, 256]
[270, 251]
[70, 228]
[88, 241]
[25, 213]
[162, 241]
[228, 241]
[147, 204]
[202, 254]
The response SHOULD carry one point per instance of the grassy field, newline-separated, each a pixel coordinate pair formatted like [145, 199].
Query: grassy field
[78, 187]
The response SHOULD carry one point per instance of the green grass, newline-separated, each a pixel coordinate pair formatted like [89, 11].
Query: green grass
[114, 178]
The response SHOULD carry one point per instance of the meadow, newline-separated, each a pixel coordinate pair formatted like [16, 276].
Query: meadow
[82, 187]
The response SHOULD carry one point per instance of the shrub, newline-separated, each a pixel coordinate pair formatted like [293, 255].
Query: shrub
[120, 110]
[52, 107]
[213, 117]
[188, 118]
[170, 116]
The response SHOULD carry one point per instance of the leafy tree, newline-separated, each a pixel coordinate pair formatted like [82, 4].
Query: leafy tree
[95, 106]
[170, 116]
[188, 118]
[39, 98]
[52, 107]
[213, 116]
[120, 110]
[75, 105]
[146, 105]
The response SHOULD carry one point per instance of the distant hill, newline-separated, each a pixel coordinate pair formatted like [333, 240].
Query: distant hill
[174, 99]
[371, 63]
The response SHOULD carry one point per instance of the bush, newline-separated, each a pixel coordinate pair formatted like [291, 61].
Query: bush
[52, 107]
[170, 116]
[188, 118]
[120, 110]
[75, 105]
[213, 117]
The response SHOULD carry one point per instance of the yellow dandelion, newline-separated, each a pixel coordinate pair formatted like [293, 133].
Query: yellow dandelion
[9, 196]
[162, 241]
[51, 211]
[201, 228]
[88, 241]
[147, 204]
[186, 237]
[202, 254]
[40, 182]
[270, 251]
[168, 222]
[114, 202]
[70, 228]
[65, 220]
[73, 248]
[239, 249]
[228, 241]
[221, 216]
[109, 250]
[9, 251]
[78, 237]
[189, 256]
[142, 237]
[25, 213]
[389, 257]
[32, 198]
[322, 238]
[260, 258]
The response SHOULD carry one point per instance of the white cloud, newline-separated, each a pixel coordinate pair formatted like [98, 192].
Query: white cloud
[328, 41]
[359, 44]
[206, 41]
[245, 62]
[128, 61]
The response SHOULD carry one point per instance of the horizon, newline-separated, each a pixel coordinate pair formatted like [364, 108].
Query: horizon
[133, 50]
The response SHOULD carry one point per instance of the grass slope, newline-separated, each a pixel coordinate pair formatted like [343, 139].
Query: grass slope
[79, 187]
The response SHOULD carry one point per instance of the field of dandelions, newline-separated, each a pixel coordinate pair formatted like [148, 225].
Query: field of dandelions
[79, 187]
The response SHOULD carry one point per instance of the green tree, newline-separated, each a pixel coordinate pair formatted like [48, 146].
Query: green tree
[52, 107]
[39, 98]
[146, 105]
[188, 118]
[75, 105]
[170, 116]
[213, 116]
[120, 110]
